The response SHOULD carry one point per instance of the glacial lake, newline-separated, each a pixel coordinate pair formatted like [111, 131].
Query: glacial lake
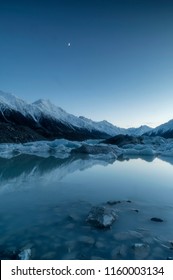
[44, 203]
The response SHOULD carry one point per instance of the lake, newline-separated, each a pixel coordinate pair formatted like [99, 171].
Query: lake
[44, 203]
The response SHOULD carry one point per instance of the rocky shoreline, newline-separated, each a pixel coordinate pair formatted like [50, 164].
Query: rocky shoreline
[95, 235]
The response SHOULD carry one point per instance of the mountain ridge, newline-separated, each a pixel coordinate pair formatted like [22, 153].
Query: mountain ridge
[49, 121]
[165, 130]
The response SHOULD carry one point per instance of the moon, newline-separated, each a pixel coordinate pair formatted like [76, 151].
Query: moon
[69, 44]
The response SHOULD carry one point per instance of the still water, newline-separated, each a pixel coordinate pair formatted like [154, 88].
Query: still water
[44, 203]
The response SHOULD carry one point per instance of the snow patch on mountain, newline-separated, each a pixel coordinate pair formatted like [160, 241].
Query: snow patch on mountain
[11, 102]
[104, 126]
[57, 113]
[139, 130]
[44, 108]
[161, 129]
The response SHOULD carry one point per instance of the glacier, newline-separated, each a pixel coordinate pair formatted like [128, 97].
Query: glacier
[62, 148]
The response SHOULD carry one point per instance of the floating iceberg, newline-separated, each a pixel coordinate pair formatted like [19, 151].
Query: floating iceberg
[62, 148]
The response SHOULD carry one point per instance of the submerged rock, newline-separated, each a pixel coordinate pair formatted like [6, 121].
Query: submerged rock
[25, 254]
[119, 251]
[74, 217]
[113, 202]
[135, 234]
[15, 254]
[101, 217]
[87, 239]
[121, 236]
[141, 250]
[156, 220]
[9, 255]
[135, 210]
[100, 244]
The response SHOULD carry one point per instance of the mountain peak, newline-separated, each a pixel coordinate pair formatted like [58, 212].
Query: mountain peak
[43, 108]
[9, 98]
[10, 101]
[165, 129]
[42, 101]
[49, 108]
[84, 118]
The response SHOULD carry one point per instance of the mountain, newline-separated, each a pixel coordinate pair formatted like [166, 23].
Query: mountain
[139, 130]
[105, 126]
[165, 130]
[42, 120]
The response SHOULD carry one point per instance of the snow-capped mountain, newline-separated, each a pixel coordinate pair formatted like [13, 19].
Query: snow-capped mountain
[164, 130]
[22, 121]
[44, 107]
[105, 126]
[139, 130]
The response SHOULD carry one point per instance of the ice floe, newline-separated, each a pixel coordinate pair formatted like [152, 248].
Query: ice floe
[62, 148]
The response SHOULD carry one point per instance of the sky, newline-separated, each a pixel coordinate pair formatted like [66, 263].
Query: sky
[105, 60]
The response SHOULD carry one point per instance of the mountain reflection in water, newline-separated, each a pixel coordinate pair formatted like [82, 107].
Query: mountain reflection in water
[45, 202]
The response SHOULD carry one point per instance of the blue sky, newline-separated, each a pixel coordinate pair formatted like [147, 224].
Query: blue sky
[119, 66]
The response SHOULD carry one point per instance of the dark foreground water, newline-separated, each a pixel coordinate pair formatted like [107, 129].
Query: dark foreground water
[44, 203]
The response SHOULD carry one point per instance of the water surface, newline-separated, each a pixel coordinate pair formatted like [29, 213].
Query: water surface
[44, 203]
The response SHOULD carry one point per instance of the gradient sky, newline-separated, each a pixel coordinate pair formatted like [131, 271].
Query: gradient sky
[119, 66]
